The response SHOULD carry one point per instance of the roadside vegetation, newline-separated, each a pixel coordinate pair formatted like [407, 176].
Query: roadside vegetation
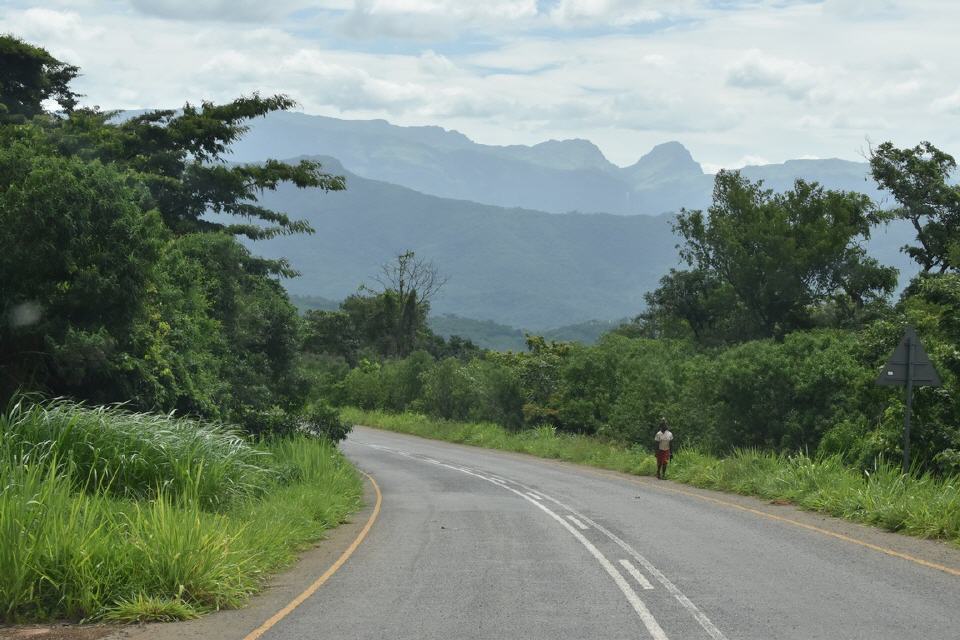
[123, 279]
[922, 505]
[111, 515]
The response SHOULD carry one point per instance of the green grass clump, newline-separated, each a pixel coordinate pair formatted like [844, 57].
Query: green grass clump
[143, 608]
[136, 455]
[83, 537]
[919, 505]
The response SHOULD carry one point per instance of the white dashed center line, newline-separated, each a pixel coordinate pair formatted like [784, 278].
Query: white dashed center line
[633, 571]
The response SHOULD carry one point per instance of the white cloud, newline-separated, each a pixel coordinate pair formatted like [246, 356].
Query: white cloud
[745, 80]
[425, 19]
[949, 104]
[863, 9]
[758, 70]
[574, 13]
[226, 10]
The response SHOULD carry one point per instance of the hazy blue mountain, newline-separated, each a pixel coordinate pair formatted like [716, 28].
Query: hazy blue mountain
[314, 303]
[484, 333]
[518, 267]
[501, 337]
[555, 176]
[832, 173]
[583, 332]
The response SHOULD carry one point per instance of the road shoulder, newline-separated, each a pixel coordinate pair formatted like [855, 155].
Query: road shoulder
[233, 624]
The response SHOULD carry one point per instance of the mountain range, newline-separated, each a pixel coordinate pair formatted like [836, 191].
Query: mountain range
[532, 237]
[520, 267]
[556, 176]
[524, 268]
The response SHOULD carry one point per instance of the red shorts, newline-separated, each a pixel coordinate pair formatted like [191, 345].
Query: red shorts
[663, 456]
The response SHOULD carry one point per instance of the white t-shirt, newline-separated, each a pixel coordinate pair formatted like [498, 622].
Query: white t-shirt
[664, 438]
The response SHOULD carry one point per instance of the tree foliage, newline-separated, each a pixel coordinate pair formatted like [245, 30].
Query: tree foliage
[764, 264]
[917, 178]
[30, 76]
[180, 157]
[121, 279]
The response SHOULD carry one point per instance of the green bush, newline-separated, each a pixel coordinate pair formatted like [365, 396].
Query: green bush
[324, 421]
[270, 422]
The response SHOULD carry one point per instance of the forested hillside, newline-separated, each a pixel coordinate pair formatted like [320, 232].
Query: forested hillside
[524, 268]
[527, 269]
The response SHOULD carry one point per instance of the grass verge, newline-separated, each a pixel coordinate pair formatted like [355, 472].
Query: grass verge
[923, 506]
[106, 514]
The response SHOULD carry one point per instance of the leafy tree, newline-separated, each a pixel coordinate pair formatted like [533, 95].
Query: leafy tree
[258, 323]
[782, 255]
[179, 156]
[74, 279]
[30, 76]
[694, 304]
[119, 279]
[917, 179]
[331, 332]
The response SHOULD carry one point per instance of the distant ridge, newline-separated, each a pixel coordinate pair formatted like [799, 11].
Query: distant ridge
[556, 176]
[517, 267]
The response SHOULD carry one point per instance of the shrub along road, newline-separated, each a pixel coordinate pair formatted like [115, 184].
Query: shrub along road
[482, 544]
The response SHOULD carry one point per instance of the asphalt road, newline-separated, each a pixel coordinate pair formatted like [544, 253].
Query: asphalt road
[473, 543]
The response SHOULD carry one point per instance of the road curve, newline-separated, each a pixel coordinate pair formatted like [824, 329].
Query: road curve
[472, 543]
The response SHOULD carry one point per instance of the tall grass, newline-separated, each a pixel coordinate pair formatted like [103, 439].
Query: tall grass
[920, 505]
[121, 516]
[136, 455]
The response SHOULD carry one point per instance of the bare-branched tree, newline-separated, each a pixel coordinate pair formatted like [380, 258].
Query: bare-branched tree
[408, 274]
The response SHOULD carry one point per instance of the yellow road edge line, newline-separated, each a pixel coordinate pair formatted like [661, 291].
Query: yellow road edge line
[833, 534]
[309, 591]
[637, 480]
[863, 543]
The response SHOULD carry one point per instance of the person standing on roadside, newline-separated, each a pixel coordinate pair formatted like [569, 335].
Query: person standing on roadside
[663, 439]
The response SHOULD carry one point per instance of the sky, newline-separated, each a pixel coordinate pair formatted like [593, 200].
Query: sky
[736, 81]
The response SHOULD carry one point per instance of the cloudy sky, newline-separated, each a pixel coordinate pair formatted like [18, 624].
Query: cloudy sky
[736, 81]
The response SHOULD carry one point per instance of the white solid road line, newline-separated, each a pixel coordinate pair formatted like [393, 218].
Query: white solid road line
[653, 627]
[694, 610]
[633, 571]
[579, 524]
[656, 632]
[530, 493]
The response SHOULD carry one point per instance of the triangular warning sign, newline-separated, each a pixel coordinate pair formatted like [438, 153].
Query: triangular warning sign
[910, 350]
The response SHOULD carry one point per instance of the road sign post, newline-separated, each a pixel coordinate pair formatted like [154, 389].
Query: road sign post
[909, 366]
[908, 410]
